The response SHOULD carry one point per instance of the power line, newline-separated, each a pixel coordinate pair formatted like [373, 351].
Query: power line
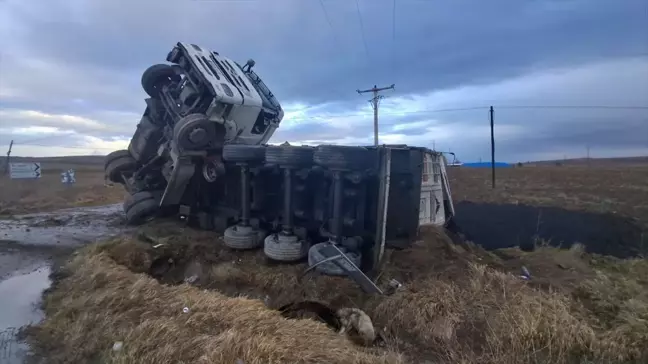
[630, 107]
[335, 38]
[471, 108]
[394, 37]
[364, 40]
[398, 113]
[328, 20]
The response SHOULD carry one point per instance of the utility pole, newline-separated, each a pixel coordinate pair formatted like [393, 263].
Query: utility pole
[492, 127]
[6, 166]
[374, 103]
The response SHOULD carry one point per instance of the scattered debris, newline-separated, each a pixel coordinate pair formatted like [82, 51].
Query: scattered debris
[393, 286]
[185, 310]
[194, 272]
[118, 345]
[191, 279]
[526, 275]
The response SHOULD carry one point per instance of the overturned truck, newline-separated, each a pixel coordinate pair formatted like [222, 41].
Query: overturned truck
[200, 152]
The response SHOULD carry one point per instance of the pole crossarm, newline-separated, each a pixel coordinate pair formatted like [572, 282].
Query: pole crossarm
[374, 103]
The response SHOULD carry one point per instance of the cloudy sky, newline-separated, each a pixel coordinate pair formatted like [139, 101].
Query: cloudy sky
[70, 70]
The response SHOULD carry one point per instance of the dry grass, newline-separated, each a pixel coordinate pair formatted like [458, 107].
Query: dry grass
[460, 308]
[48, 193]
[603, 189]
[101, 302]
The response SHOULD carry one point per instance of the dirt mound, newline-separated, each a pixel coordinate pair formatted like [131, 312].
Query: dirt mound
[456, 305]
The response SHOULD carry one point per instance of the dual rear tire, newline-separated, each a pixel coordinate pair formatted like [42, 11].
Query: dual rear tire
[119, 164]
[141, 207]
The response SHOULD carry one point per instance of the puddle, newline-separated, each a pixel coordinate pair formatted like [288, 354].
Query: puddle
[496, 226]
[29, 244]
[64, 227]
[20, 297]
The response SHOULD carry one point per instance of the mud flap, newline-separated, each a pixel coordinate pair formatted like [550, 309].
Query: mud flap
[335, 255]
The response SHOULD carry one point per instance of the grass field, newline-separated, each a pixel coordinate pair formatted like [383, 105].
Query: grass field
[48, 193]
[600, 189]
[459, 304]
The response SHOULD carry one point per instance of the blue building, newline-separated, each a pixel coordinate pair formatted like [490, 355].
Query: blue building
[486, 165]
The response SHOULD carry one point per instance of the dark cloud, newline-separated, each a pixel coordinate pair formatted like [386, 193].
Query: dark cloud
[437, 45]
[85, 58]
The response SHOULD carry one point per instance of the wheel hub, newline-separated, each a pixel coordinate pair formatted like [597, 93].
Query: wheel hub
[197, 135]
[211, 171]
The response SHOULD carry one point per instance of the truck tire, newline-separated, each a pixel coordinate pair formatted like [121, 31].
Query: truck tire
[284, 248]
[342, 157]
[243, 237]
[115, 155]
[141, 207]
[331, 268]
[243, 153]
[288, 156]
[155, 77]
[117, 163]
[144, 143]
[194, 132]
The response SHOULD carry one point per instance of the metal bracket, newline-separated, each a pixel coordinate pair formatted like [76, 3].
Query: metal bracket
[335, 255]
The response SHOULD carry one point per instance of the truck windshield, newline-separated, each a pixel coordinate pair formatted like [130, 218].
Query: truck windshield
[269, 101]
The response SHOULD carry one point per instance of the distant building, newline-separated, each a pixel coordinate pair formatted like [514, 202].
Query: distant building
[486, 165]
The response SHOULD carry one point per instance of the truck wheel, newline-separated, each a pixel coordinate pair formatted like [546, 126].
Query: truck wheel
[117, 163]
[156, 76]
[331, 268]
[141, 207]
[284, 248]
[194, 131]
[242, 153]
[115, 155]
[141, 145]
[289, 156]
[342, 157]
[243, 237]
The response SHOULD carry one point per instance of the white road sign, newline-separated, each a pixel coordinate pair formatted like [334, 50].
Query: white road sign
[25, 170]
[67, 177]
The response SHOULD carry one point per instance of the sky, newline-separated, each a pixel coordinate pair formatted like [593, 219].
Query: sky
[70, 71]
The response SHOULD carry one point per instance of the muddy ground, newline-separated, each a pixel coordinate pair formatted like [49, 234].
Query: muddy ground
[31, 247]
